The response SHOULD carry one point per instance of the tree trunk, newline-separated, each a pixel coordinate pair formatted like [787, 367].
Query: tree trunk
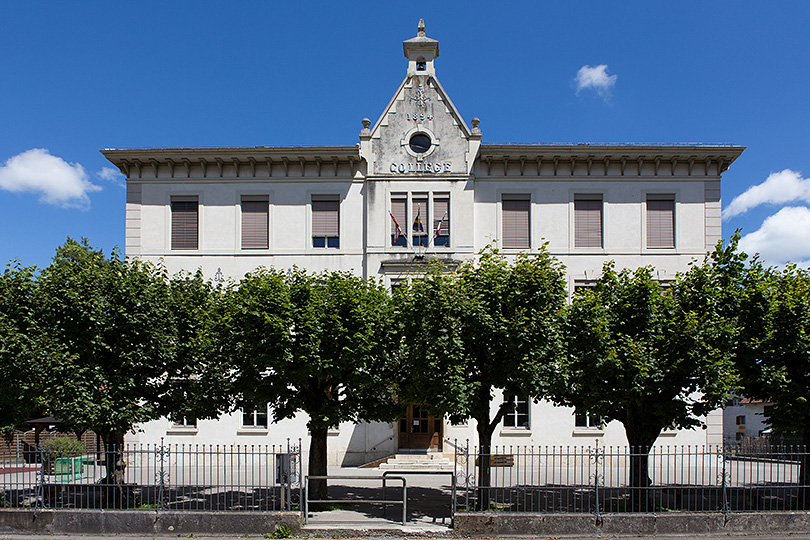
[114, 465]
[484, 462]
[317, 462]
[640, 439]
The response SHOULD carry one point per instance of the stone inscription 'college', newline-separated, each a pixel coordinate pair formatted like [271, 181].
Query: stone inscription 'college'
[421, 167]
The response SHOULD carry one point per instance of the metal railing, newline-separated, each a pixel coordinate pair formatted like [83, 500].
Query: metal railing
[383, 500]
[160, 477]
[599, 479]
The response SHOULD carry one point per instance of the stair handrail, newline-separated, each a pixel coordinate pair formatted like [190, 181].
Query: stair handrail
[389, 438]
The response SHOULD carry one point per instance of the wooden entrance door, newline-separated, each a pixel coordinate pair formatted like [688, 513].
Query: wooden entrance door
[418, 431]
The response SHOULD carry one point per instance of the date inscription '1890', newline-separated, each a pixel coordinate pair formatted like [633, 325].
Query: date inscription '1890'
[421, 167]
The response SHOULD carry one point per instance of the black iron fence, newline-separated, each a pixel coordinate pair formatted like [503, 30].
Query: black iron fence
[599, 479]
[591, 479]
[158, 477]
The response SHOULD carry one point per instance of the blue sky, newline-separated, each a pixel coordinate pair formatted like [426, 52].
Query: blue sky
[79, 77]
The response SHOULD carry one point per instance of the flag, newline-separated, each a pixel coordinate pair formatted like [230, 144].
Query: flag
[417, 222]
[396, 224]
[439, 227]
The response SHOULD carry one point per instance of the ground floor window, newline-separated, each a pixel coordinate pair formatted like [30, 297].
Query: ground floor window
[518, 417]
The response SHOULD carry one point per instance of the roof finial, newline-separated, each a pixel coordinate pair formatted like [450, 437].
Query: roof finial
[420, 30]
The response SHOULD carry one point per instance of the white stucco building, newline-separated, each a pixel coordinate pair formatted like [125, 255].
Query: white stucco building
[230, 210]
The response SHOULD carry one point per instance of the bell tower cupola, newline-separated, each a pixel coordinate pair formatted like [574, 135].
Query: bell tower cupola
[420, 52]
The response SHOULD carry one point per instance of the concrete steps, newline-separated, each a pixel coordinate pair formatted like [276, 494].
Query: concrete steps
[418, 462]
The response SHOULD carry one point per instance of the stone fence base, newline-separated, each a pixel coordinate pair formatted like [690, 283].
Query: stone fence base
[695, 523]
[146, 522]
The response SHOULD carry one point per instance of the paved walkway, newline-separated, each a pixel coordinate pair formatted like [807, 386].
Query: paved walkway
[429, 502]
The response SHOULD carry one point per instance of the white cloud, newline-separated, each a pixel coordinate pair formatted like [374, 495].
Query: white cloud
[779, 188]
[58, 182]
[596, 78]
[783, 237]
[112, 175]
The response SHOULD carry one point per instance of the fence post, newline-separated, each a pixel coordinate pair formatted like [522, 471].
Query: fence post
[453, 484]
[301, 476]
[726, 506]
[40, 502]
[161, 476]
[597, 506]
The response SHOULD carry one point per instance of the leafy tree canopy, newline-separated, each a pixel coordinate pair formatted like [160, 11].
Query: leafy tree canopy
[21, 343]
[492, 325]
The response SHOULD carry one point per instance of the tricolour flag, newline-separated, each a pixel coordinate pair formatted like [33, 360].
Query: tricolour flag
[439, 227]
[398, 229]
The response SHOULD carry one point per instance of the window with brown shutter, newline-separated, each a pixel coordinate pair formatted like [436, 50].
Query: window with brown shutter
[185, 222]
[399, 205]
[419, 227]
[255, 228]
[326, 221]
[660, 221]
[515, 220]
[441, 221]
[588, 221]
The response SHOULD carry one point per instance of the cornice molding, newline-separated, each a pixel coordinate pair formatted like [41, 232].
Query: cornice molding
[585, 160]
[242, 163]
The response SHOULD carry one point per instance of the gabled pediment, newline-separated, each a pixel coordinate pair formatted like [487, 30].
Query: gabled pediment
[420, 132]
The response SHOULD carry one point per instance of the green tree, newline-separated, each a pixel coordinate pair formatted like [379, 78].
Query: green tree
[117, 356]
[319, 344]
[775, 364]
[21, 361]
[492, 325]
[647, 357]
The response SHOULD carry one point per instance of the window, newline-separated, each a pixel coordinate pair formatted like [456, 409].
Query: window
[515, 221]
[587, 421]
[660, 221]
[185, 222]
[588, 221]
[179, 422]
[441, 221]
[419, 204]
[399, 223]
[255, 232]
[325, 221]
[518, 417]
[254, 419]
[740, 420]
[427, 223]
[581, 285]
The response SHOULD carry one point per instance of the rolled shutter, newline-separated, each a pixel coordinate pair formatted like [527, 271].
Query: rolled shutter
[515, 220]
[185, 222]
[441, 215]
[660, 221]
[588, 222]
[325, 215]
[255, 228]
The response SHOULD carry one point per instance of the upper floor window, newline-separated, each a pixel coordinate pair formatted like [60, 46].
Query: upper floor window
[518, 417]
[255, 219]
[427, 223]
[588, 221]
[515, 221]
[185, 222]
[660, 221]
[325, 221]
